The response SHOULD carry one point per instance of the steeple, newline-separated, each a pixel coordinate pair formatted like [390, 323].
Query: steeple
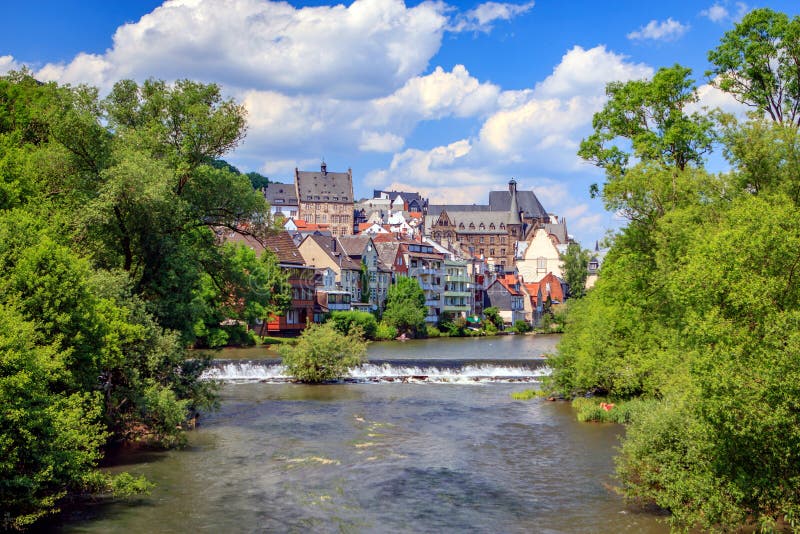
[513, 211]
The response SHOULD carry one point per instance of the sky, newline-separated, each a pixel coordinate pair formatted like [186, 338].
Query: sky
[451, 99]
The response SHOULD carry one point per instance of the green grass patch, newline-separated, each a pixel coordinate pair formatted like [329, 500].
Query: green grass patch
[603, 410]
[270, 340]
[527, 394]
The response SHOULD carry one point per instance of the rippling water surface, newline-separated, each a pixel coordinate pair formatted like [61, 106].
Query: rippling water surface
[402, 456]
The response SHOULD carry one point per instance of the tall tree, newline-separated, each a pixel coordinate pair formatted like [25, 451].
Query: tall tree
[652, 116]
[758, 62]
[576, 265]
[405, 306]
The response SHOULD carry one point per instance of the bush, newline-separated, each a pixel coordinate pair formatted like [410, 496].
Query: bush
[490, 329]
[527, 394]
[344, 321]
[385, 332]
[323, 353]
[432, 331]
[492, 315]
[522, 327]
[602, 410]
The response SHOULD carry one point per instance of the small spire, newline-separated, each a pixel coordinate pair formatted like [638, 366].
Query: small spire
[324, 167]
[513, 211]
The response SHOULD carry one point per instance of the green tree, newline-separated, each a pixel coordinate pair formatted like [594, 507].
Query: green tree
[576, 265]
[652, 116]
[758, 62]
[348, 321]
[322, 353]
[405, 306]
[493, 315]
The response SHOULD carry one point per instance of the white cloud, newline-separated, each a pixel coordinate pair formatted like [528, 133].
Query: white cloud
[365, 49]
[7, 63]
[709, 97]
[715, 13]
[380, 142]
[481, 17]
[666, 30]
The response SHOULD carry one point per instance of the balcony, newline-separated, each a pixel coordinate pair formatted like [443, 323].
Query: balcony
[458, 293]
[416, 271]
[433, 302]
[458, 278]
[455, 308]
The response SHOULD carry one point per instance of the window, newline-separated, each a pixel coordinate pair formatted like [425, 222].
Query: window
[293, 317]
[491, 252]
[325, 198]
[541, 264]
[335, 198]
[461, 226]
[481, 239]
[491, 240]
[491, 226]
[471, 226]
[502, 252]
[278, 201]
[316, 197]
[482, 226]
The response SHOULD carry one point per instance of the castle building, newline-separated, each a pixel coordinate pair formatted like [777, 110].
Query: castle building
[490, 231]
[326, 198]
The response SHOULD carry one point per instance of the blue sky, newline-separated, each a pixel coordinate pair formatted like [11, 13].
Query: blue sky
[451, 99]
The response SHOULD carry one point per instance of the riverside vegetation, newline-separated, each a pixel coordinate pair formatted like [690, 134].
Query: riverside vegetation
[109, 270]
[697, 309]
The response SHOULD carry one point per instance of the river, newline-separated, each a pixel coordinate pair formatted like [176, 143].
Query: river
[428, 439]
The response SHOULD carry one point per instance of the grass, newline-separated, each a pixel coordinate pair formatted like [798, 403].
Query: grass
[603, 410]
[270, 340]
[527, 394]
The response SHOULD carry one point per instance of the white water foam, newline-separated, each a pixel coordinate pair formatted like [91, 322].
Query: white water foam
[254, 372]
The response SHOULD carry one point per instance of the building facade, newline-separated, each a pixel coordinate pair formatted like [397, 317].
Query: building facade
[326, 198]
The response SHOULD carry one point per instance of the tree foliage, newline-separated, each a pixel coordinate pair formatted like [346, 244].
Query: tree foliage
[576, 269]
[652, 117]
[698, 310]
[110, 265]
[323, 353]
[347, 321]
[758, 62]
[405, 306]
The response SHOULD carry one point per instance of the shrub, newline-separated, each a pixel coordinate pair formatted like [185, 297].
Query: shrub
[490, 329]
[432, 331]
[385, 332]
[492, 314]
[527, 394]
[522, 327]
[344, 321]
[323, 353]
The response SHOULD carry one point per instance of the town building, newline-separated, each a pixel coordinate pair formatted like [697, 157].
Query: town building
[506, 295]
[542, 253]
[362, 249]
[301, 280]
[282, 199]
[491, 231]
[326, 198]
[427, 267]
[457, 289]
[325, 252]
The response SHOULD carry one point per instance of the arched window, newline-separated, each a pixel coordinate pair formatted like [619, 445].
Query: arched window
[491, 226]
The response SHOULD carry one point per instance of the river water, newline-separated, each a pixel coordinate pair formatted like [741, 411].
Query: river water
[425, 439]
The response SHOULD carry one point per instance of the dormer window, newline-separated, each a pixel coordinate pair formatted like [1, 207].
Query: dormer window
[482, 226]
[491, 226]
[471, 226]
[461, 226]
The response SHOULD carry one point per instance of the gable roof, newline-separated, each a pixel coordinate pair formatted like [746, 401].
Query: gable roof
[278, 194]
[387, 251]
[559, 231]
[333, 249]
[354, 245]
[526, 200]
[281, 244]
[324, 186]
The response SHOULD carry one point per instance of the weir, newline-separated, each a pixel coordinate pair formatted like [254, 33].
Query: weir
[442, 371]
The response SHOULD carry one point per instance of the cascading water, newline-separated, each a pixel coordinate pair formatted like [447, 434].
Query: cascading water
[388, 371]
